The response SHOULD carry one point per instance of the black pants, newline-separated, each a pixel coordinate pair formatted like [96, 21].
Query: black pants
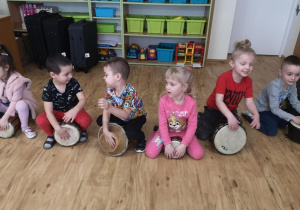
[133, 128]
[210, 120]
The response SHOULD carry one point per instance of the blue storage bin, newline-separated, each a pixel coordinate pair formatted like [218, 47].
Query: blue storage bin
[135, 0]
[157, 1]
[165, 52]
[177, 1]
[105, 11]
[198, 1]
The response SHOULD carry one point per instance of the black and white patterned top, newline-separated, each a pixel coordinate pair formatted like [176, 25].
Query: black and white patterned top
[62, 101]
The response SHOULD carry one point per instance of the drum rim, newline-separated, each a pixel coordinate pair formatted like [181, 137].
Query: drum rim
[68, 124]
[126, 140]
[218, 129]
[295, 124]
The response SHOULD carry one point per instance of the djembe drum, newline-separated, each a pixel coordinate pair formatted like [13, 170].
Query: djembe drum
[228, 141]
[73, 131]
[13, 123]
[121, 141]
[293, 131]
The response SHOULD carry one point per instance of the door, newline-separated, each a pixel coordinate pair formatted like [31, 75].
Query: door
[266, 23]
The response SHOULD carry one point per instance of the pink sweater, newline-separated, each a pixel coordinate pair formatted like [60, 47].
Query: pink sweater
[17, 88]
[177, 120]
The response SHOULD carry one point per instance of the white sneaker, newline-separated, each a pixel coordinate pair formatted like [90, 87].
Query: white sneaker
[30, 133]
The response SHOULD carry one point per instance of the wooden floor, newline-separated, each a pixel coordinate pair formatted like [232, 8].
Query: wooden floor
[264, 175]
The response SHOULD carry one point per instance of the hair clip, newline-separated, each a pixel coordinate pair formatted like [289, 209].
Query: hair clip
[4, 54]
[188, 68]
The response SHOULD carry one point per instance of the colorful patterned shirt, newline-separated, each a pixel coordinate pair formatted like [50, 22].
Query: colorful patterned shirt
[128, 99]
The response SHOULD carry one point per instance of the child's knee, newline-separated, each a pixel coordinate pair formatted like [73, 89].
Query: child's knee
[272, 133]
[41, 119]
[22, 106]
[198, 156]
[150, 153]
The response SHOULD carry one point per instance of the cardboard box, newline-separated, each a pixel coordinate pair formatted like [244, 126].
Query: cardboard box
[25, 50]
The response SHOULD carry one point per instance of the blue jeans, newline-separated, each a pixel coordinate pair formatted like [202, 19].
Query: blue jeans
[269, 123]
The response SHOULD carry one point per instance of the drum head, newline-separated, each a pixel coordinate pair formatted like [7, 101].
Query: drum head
[175, 143]
[121, 141]
[295, 124]
[74, 133]
[8, 133]
[228, 141]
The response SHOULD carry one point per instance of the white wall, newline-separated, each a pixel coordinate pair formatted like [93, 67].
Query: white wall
[221, 29]
[3, 7]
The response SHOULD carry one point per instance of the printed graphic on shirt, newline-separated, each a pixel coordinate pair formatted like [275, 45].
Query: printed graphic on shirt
[128, 99]
[233, 97]
[176, 124]
[281, 99]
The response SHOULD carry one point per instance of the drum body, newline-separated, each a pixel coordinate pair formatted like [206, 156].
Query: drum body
[293, 131]
[176, 141]
[121, 142]
[74, 133]
[13, 123]
[228, 141]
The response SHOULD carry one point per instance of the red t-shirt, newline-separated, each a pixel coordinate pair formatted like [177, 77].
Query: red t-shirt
[233, 92]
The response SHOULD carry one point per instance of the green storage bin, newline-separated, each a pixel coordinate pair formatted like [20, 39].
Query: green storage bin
[106, 27]
[80, 16]
[175, 26]
[66, 14]
[155, 24]
[195, 25]
[135, 23]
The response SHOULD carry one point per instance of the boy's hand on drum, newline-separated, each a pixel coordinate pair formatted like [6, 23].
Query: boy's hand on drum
[3, 124]
[63, 133]
[103, 103]
[70, 115]
[255, 122]
[109, 137]
[180, 150]
[233, 123]
[169, 151]
[296, 119]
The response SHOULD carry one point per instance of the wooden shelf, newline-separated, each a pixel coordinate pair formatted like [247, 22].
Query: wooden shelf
[124, 8]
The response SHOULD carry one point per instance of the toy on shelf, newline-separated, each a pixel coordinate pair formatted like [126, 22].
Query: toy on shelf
[189, 52]
[152, 53]
[180, 53]
[106, 54]
[198, 54]
[142, 55]
[133, 51]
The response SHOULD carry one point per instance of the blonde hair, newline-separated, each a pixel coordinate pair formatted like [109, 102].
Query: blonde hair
[183, 75]
[242, 47]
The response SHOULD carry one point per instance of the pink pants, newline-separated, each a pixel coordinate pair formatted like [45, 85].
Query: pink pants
[155, 145]
[83, 119]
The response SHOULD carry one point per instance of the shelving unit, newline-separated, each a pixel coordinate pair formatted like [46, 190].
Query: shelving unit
[124, 8]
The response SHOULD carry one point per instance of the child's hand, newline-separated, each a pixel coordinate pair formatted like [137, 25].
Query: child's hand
[255, 122]
[169, 151]
[3, 124]
[63, 133]
[110, 138]
[180, 150]
[296, 119]
[70, 115]
[233, 123]
[103, 103]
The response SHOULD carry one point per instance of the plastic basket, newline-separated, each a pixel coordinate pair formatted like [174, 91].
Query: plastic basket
[155, 24]
[105, 11]
[106, 27]
[177, 1]
[157, 1]
[135, 0]
[175, 26]
[135, 23]
[198, 1]
[195, 25]
[165, 52]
